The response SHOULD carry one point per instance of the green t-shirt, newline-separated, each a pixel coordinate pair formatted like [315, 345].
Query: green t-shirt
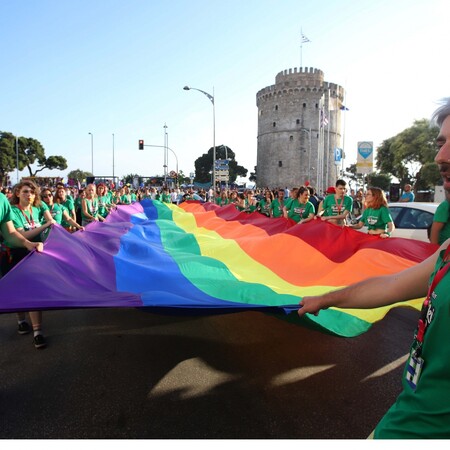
[5, 209]
[333, 207]
[298, 211]
[165, 198]
[103, 203]
[264, 206]
[22, 220]
[57, 211]
[424, 413]
[442, 214]
[277, 208]
[222, 201]
[92, 209]
[376, 219]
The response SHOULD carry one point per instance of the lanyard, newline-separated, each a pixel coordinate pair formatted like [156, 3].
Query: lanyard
[30, 219]
[423, 323]
[339, 206]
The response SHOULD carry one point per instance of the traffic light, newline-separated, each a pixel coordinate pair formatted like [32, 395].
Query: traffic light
[141, 144]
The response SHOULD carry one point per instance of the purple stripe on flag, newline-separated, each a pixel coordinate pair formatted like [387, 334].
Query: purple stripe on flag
[84, 268]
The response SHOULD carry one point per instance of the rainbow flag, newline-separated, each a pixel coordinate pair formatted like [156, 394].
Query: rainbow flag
[203, 259]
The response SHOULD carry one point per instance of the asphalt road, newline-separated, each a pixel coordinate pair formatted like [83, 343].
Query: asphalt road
[131, 374]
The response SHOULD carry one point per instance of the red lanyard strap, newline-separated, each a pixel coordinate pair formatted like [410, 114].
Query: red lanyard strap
[30, 219]
[422, 326]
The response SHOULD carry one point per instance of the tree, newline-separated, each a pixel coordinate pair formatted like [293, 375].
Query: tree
[203, 165]
[30, 151]
[381, 180]
[129, 179]
[78, 175]
[351, 172]
[7, 155]
[405, 154]
[253, 176]
[429, 177]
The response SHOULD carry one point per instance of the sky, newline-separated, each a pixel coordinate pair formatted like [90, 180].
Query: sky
[117, 69]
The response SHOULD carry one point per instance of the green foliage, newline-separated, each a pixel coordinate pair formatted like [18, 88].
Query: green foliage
[203, 165]
[78, 175]
[7, 154]
[352, 173]
[30, 151]
[429, 177]
[128, 179]
[404, 155]
[381, 180]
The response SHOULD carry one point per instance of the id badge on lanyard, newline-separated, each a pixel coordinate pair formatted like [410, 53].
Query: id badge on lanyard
[415, 361]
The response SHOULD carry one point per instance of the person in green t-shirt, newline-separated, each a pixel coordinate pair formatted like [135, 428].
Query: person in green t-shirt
[104, 204]
[376, 216]
[9, 233]
[300, 209]
[266, 202]
[422, 410]
[440, 228]
[337, 206]
[59, 212]
[27, 219]
[68, 202]
[89, 206]
[277, 205]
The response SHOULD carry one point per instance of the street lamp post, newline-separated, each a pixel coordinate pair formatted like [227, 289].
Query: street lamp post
[92, 153]
[211, 98]
[114, 178]
[17, 158]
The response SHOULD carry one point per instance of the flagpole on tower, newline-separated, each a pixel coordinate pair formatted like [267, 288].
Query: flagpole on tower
[303, 40]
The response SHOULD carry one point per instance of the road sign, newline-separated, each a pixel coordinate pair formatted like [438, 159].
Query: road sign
[364, 161]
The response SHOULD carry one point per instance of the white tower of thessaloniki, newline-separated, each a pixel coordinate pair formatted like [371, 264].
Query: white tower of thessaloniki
[299, 129]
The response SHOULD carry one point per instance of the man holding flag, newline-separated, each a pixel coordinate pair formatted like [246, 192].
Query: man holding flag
[422, 410]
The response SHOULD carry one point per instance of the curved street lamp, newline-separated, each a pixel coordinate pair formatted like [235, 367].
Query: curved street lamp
[211, 98]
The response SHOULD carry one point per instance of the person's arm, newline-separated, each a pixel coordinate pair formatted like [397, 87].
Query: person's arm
[30, 234]
[309, 218]
[17, 239]
[320, 211]
[85, 210]
[72, 222]
[48, 216]
[357, 226]
[406, 285]
[390, 229]
[436, 228]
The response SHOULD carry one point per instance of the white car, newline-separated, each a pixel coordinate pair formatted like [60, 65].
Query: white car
[412, 220]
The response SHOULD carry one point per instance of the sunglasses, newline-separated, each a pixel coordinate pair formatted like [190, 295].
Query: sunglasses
[27, 191]
[47, 195]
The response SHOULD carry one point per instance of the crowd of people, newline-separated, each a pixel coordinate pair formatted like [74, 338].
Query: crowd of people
[422, 410]
[30, 210]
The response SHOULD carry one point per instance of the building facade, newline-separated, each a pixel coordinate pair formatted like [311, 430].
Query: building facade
[299, 130]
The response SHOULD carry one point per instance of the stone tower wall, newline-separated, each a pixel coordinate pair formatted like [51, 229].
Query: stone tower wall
[292, 149]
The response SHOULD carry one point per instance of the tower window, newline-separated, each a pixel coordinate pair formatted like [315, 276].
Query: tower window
[291, 138]
[276, 107]
[280, 163]
[317, 105]
[298, 121]
[274, 124]
[304, 105]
